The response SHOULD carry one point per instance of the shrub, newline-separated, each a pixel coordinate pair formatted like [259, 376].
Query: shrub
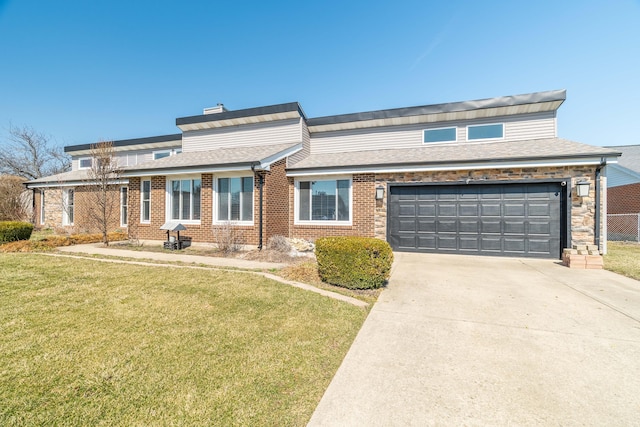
[10, 231]
[354, 262]
[50, 242]
[228, 238]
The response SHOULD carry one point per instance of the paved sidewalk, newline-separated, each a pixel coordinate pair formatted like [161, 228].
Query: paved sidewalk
[113, 250]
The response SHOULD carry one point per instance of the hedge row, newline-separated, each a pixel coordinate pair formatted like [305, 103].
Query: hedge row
[354, 262]
[11, 231]
[51, 242]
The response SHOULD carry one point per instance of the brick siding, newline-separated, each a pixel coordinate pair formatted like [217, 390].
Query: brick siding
[623, 199]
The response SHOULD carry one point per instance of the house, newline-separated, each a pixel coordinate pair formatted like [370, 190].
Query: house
[623, 181]
[623, 194]
[487, 177]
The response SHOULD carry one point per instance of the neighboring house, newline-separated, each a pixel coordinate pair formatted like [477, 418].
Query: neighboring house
[486, 177]
[623, 181]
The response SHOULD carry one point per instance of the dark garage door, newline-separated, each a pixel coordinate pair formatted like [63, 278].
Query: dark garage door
[484, 219]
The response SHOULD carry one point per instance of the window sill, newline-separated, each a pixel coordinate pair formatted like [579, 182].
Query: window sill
[325, 223]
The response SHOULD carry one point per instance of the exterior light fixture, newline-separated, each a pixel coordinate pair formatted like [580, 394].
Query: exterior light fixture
[582, 188]
[379, 193]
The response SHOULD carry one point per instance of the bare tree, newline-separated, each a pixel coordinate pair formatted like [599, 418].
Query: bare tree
[29, 154]
[14, 199]
[102, 207]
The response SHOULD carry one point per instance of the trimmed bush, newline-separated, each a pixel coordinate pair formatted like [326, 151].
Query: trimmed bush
[11, 231]
[354, 262]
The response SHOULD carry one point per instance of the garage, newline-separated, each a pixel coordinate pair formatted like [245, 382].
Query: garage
[515, 219]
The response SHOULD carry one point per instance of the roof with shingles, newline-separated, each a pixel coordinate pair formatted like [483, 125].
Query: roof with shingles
[217, 157]
[630, 158]
[548, 148]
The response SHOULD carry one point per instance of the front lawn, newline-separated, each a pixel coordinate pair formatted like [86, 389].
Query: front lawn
[87, 343]
[623, 258]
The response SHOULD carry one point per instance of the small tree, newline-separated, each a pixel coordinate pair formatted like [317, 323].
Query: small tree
[14, 199]
[28, 153]
[102, 207]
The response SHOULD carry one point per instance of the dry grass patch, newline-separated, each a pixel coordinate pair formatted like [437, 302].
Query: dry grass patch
[90, 343]
[623, 258]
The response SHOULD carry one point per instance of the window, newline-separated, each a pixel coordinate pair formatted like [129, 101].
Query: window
[493, 131]
[235, 199]
[84, 163]
[161, 154]
[124, 205]
[184, 199]
[42, 216]
[68, 207]
[440, 135]
[145, 201]
[327, 200]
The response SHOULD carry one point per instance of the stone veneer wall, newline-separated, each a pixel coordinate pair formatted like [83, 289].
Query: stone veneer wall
[582, 208]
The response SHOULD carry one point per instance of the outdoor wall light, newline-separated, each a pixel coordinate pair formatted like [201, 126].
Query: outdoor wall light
[379, 193]
[582, 188]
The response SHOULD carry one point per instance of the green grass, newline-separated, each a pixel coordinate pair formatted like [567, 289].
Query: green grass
[92, 343]
[623, 258]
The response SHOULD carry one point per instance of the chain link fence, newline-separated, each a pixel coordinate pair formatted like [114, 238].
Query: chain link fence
[623, 227]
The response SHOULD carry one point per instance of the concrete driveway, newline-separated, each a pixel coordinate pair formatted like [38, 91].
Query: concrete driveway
[460, 340]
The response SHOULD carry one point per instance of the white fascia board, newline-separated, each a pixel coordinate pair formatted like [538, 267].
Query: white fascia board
[590, 161]
[74, 184]
[187, 171]
[268, 161]
[137, 147]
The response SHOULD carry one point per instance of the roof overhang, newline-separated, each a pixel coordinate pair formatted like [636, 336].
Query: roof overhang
[452, 166]
[270, 113]
[153, 142]
[467, 110]
[74, 183]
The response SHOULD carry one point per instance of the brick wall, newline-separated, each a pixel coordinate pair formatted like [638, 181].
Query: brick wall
[363, 215]
[582, 208]
[52, 208]
[87, 217]
[276, 201]
[624, 199]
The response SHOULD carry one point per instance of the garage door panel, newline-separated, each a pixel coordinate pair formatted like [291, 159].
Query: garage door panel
[426, 242]
[491, 209]
[466, 209]
[406, 210]
[470, 244]
[515, 227]
[427, 210]
[447, 209]
[512, 209]
[492, 219]
[447, 226]
[426, 226]
[408, 225]
[539, 209]
[469, 226]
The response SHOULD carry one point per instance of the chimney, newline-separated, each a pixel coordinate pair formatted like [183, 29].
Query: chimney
[217, 109]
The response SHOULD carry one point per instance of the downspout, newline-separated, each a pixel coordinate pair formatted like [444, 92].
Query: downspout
[260, 197]
[597, 215]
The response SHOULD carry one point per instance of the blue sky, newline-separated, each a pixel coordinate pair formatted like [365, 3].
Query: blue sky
[83, 71]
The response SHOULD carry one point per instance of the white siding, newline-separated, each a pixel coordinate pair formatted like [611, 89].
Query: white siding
[277, 132]
[618, 175]
[306, 146]
[531, 126]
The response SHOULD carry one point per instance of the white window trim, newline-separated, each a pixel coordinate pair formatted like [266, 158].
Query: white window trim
[424, 133]
[123, 223]
[143, 221]
[65, 206]
[43, 217]
[486, 139]
[80, 159]
[216, 195]
[168, 152]
[167, 204]
[296, 200]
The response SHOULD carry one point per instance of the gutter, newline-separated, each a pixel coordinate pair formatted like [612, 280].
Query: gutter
[260, 203]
